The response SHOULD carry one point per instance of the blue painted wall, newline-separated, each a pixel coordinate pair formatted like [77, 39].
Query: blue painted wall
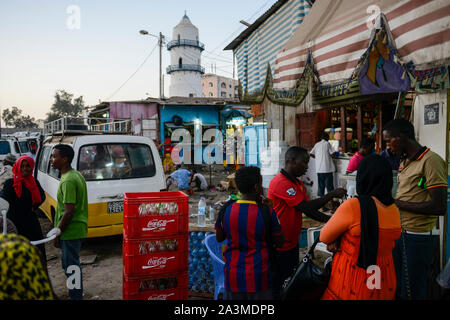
[206, 114]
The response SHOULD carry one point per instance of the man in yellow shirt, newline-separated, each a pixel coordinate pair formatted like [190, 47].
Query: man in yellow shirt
[421, 198]
[168, 164]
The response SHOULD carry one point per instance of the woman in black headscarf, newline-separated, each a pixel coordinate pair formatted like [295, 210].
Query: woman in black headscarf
[366, 229]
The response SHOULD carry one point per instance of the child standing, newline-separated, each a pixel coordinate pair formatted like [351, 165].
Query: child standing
[251, 229]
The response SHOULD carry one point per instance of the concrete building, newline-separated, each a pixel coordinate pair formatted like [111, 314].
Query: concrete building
[215, 86]
[185, 68]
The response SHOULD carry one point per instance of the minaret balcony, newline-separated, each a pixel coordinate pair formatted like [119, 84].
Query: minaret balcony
[185, 42]
[185, 67]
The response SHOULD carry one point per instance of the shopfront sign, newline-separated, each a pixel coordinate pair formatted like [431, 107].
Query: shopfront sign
[431, 114]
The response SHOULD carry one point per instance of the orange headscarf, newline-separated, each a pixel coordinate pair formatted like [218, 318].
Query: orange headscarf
[29, 181]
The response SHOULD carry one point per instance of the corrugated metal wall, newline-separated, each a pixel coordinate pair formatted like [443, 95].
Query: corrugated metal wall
[261, 47]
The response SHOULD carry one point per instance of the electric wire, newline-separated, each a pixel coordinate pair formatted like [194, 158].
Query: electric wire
[240, 28]
[185, 54]
[134, 73]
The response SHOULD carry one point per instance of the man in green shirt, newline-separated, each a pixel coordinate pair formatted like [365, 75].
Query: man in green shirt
[71, 217]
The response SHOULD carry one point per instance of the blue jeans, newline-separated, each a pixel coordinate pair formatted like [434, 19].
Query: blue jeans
[70, 259]
[419, 252]
[325, 180]
[286, 262]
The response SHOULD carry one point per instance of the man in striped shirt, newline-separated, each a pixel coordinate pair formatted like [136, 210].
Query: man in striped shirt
[251, 228]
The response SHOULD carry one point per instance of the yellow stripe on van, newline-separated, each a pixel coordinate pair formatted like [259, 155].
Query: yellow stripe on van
[100, 222]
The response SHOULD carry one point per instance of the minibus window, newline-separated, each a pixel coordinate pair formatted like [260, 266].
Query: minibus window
[24, 147]
[53, 172]
[32, 144]
[43, 161]
[116, 161]
[16, 147]
[5, 147]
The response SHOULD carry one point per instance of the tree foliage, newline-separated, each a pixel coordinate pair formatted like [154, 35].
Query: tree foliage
[14, 118]
[65, 106]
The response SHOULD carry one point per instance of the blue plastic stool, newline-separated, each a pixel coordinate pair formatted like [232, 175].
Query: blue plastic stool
[215, 251]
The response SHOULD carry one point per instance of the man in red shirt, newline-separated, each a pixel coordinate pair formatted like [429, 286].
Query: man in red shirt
[366, 147]
[289, 202]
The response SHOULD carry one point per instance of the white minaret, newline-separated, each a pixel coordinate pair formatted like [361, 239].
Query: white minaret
[185, 60]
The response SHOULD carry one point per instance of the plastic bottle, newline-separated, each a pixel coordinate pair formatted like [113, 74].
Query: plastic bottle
[202, 252]
[201, 236]
[201, 218]
[212, 213]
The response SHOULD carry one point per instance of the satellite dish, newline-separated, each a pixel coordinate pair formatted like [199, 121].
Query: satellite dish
[177, 120]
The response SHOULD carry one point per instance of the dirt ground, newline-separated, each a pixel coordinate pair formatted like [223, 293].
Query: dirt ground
[102, 277]
[101, 258]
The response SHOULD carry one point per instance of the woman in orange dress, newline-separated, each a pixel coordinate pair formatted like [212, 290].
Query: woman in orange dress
[363, 231]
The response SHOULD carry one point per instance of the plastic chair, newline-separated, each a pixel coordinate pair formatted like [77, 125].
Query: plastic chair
[310, 237]
[215, 251]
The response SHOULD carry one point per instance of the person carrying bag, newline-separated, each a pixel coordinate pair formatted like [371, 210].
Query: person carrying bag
[308, 281]
[367, 226]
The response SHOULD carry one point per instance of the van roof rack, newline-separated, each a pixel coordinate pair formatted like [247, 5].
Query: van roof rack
[71, 126]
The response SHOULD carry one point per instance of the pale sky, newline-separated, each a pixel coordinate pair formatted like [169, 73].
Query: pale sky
[40, 53]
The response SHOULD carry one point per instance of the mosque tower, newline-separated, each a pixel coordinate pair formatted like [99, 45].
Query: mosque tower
[185, 60]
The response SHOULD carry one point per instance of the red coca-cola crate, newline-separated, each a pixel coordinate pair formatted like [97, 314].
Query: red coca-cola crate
[172, 286]
[155, 255]
[154, 226]
[143, 203]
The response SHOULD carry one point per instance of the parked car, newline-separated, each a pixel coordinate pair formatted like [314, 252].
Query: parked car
[112, 165]
[13, 145]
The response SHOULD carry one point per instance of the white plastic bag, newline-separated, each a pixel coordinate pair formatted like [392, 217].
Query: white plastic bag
[444, 277]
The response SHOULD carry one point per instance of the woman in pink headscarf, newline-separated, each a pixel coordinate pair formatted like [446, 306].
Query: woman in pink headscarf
[24, 195]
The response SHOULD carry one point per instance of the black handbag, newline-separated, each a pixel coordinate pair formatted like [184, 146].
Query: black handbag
[308, 282]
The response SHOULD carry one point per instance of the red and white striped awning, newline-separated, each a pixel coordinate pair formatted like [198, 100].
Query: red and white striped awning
[338, 32]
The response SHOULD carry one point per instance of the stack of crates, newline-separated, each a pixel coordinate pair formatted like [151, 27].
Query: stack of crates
[155, 246]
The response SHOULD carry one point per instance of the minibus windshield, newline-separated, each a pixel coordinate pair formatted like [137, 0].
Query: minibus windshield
[109, 161]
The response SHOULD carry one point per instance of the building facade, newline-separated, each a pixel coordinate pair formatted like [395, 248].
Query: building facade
[215, 86]
[143, 113]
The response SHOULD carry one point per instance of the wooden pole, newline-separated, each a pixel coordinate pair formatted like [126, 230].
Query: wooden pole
[379, 133]
[359, 124]
[344, 129]
[283, 119]
[210, 176]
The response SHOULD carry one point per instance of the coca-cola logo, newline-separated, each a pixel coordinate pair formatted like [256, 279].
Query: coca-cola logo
[160, 296]
[157, 224]
[159, 263]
